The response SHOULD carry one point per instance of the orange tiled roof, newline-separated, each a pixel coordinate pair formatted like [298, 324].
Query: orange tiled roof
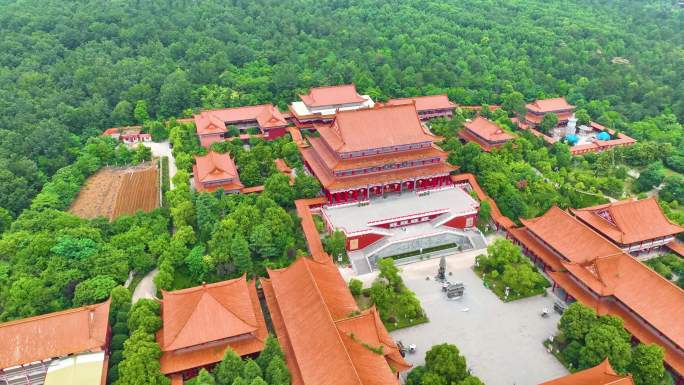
[214, 121]
[383, 126]
[332, 95]
[215, 167]
[536, 247]
[488, 130]
[561, 232]
[390, 176]
[426, 103]
[199, 324]
[562, 116]
[549, 105]
[313, 239]
[312, 296]
[652, 297]
[629, 221]
[54, 335]
[332, 162]
[674, 356]
[601, 374]
[677, 247]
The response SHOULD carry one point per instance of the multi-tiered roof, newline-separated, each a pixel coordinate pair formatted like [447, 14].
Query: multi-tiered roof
[374, 146]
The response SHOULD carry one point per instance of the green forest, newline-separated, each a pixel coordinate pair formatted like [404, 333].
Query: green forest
[70, 69]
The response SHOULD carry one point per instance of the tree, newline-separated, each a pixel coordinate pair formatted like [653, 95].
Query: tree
[355, 286]
[471, 380]
[122, 113]
[239, 252]
[306, 186]
[204, 378]
[240, 381]
[258, 381]
[548, 122]
[251, 370]
[93, 290]
[605, 341]
[229, 369]
[277, 372]
[261, 242]
[514, 103]
[175, 93]
[277, 187]
[140, 112]
[582, 116]
[652, 176]
[446, 361]
[577, 320]
[647, 364]
[335, 244]
[271, 351]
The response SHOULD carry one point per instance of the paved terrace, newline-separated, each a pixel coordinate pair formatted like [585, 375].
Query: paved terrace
[356, 218]
[502, 342]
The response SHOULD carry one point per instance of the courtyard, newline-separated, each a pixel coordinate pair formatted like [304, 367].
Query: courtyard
[502, 342]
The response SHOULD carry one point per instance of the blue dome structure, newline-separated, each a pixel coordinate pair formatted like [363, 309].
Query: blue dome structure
[603, 136]
[572, 139]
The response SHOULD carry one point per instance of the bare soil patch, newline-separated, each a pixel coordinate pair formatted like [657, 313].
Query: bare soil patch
[112, 192]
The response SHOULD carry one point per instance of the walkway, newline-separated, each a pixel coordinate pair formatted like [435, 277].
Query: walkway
[502, 342]
[160, 149]
[146, 287]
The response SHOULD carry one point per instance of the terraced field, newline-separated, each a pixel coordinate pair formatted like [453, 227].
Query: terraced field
[113, 192]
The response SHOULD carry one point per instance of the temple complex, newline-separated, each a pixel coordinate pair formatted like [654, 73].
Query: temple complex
[633, 225]
[537, 109]
[429, 107]
[216, 171]
[485, 133]
[326, 339]
[212, 125]
[201, 322]
[601, 374]
[373, 152]
[68, 347]
[587, 267]
[322, 103]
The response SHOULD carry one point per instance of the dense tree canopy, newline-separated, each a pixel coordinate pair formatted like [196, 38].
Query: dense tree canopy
[70, 69]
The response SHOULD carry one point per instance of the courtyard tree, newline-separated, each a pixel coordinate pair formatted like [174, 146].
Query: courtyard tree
[605, 341]
[229, 369]
[548, 122]
[239, 252]
[335, 244]
[577, 321]
[647, 364]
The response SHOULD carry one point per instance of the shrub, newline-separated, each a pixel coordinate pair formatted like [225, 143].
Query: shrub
[118, 341]
[355, 286]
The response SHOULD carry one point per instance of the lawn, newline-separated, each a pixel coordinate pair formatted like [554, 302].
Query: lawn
[499, 288]
[364, 302]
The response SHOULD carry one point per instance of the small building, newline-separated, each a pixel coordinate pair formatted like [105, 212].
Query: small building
[485, 133]
[537, 109]
[212, 125]
[326, 339]
[63, 348]
[322, 103]
[216, 171]
[587, 267]
[441, 220]
[429, 107]
[202, 322]
[633, 225]
[128, 135]
[601, 374]
[374, 152]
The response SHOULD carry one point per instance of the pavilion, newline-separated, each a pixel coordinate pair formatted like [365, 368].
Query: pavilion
[322, 103]
[212, 125]
[326, 339]
[633, 225]
[68, 347]
[537, 109]
[601, 374]
[587, 267]
[373, 152]
[429, 107]
[216, 171]
[485, 133]
[202, 322]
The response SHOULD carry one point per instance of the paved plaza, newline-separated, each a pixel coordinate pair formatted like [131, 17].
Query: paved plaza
[502, 342]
